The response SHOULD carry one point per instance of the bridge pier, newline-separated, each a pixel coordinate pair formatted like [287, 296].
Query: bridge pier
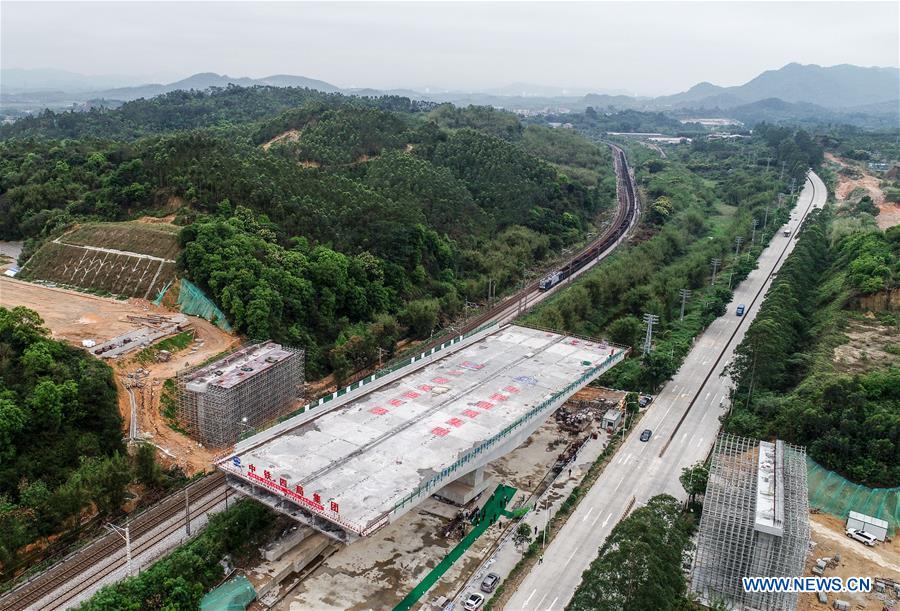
[461, 491]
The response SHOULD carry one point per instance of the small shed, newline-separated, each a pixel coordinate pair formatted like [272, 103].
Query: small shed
[874, 526]
[612, 419]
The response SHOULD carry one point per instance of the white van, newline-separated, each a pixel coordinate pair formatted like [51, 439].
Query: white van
[861, 536]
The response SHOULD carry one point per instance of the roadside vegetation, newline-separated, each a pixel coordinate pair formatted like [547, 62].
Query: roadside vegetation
[698, 201]
[639, 564]
[790, 382]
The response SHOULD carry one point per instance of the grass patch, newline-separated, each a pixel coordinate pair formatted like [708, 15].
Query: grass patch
[172, 344]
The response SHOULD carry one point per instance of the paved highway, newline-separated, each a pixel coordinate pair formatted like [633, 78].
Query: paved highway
[684, 419]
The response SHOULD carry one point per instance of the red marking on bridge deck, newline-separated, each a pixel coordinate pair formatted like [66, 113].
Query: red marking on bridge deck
[484, 404]
[378, 411]
[396, 402]
[499, 397]
[457, 372]
[511, 389]
[471, 413]
[425, 387]
[455, 422]
[440, 431]
[440, 380]
[411, 394]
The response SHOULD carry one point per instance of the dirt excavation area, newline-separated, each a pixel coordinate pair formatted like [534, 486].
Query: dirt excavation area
[853, 181]
[856, 560]
[74, 317]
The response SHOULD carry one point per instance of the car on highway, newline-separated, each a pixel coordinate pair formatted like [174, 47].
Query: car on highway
[740, 310]
[474, 602]
[490, 582]
[645, 400]
[861, 536]
[646, 435]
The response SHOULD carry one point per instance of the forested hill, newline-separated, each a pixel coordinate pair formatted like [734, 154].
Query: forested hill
[337, 224]
[184, 110]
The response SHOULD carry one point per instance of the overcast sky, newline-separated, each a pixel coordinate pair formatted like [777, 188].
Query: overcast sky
[643, 47]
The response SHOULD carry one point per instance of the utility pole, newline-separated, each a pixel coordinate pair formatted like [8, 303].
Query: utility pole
[125, 533]
[737, 245]
[782, 171]
[753, 237]
[685, 293]
[766, 221]
[650, 319]
[187, 512]
[768, 161]
[715, 265]
[381, 353]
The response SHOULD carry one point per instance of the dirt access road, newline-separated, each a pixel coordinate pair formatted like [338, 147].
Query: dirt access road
[73, 316]
[857, 560]
[889, 213]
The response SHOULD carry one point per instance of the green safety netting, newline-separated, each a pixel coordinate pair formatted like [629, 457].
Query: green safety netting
[831, 493]
[233, 595]
[493, 509]
[192, 300]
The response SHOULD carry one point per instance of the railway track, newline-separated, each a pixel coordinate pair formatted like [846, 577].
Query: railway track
[144, 529]
[625, 218]
[144, 535]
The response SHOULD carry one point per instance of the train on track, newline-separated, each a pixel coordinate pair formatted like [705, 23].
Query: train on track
[595, 249]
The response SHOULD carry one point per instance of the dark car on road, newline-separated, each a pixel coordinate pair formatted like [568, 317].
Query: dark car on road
[490, 582]
[740, 310]
[646, 434]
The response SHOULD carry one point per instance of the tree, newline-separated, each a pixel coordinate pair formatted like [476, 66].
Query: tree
[639, 565]
[694, 479]
[522, 535]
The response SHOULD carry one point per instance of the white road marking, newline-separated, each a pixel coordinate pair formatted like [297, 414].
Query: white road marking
[606, 521]
[700, 442]
[619, 484]
[569, 560]
[588, 514]
[533, 592]
[553, 603]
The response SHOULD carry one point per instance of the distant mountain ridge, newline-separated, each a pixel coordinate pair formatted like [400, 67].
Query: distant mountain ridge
[837, 93]
[835, 87]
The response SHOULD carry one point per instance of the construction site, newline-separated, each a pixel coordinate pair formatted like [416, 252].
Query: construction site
[252, 386]
[755, 522]
[428, 428]
[306, 569]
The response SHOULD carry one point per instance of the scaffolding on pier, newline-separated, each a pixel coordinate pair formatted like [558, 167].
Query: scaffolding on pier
[252, 386]
[755, 522]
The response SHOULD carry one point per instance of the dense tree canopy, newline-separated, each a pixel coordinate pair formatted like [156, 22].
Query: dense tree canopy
[639, 565]
[787, 382]
[60, 433]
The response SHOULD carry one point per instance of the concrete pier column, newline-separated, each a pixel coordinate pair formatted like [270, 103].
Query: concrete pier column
[465, 488]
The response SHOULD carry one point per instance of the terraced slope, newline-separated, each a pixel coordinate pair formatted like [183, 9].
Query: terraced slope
[129, 259]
